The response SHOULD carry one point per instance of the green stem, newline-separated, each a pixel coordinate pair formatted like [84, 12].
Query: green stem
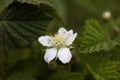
[89, 68]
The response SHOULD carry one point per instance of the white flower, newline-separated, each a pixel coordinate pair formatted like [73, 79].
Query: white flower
[58, 45]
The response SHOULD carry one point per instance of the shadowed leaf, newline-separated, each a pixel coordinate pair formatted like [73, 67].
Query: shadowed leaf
[22, 23]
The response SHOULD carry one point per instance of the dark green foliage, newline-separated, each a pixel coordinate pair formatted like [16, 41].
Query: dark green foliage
[65, 75]
[76, 76]
[21, 76]
[34, 1]
[21, 23]
[59, 75]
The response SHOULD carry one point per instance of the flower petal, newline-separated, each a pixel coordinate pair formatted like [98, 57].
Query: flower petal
[45, 40]
[64, 55]
[70, 32]
[70, 39]
[62, 31]
[50, 54]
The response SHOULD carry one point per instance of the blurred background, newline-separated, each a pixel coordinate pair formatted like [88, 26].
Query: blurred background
[74, 13]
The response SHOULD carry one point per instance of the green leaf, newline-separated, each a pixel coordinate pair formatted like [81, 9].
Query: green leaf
[95, 38]
[109, 70]
[35, 1]
[21, 23]
[105, 71]
[21, 76]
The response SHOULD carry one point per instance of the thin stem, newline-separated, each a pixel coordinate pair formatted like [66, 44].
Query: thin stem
[93, 73]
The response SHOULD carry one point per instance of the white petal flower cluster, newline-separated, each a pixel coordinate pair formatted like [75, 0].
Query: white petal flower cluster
[58, 45]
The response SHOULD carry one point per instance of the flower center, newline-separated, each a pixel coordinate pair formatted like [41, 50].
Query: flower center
[58, 41]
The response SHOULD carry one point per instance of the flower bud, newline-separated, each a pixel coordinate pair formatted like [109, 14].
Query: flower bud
[106, 15]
